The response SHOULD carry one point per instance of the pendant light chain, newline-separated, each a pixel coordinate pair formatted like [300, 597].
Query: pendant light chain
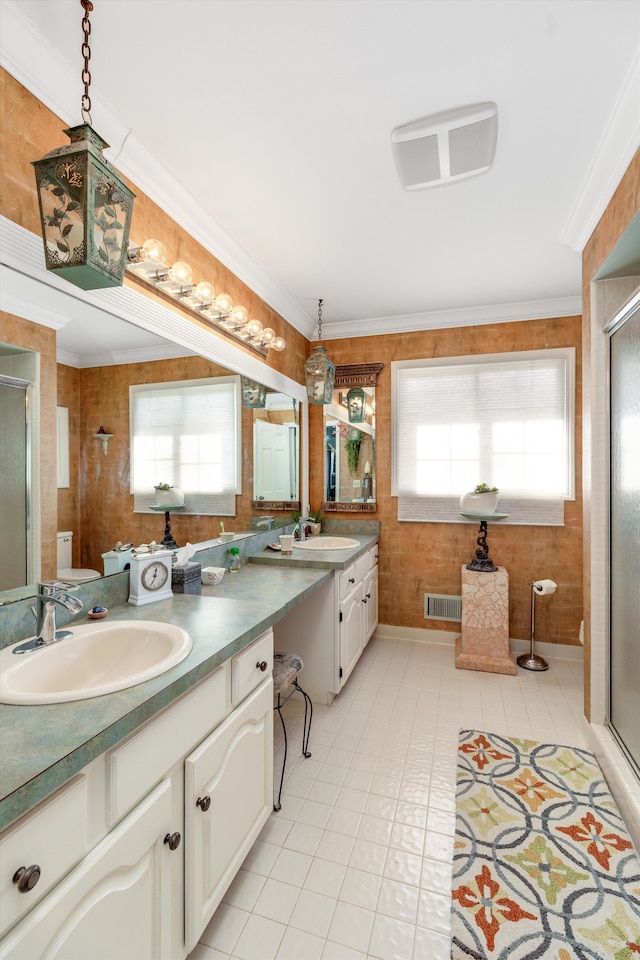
[320, 302]
[86, 54]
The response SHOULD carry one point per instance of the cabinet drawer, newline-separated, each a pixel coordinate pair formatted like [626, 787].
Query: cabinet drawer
[247, 667]
[347, 580]
[53, 836]
[137, 764]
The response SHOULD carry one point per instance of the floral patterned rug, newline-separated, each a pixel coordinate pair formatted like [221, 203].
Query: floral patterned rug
[543, 866]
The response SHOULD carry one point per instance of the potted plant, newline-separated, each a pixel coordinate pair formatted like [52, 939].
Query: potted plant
[352, 448]
[483, 500]
[168, 496]
[315, 521]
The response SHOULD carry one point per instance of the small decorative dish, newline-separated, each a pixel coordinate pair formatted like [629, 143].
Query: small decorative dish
[98, 613]
[274, 546]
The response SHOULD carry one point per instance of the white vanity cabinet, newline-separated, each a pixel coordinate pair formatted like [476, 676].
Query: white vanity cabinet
[132, 865]
[331, 627]
[358, 617]
[116, 903]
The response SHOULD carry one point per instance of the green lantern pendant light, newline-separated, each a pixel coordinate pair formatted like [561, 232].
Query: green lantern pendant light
[85, 205]
[319, 371]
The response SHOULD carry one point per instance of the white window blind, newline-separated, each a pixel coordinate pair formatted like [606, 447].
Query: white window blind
[502, 419]
[186, 433]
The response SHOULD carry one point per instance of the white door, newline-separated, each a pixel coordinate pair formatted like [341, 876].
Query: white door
[231, 774]
[117, 901]
[271, 461]
[351, 639]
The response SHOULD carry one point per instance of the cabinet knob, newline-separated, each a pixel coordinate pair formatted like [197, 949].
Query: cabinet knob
[204, 803]
[27, 877]
[364, 599]
[352, 579]
[173, 840]
[368, 596]
[262, 665]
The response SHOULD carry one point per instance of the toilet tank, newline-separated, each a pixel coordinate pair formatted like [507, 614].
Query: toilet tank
[65, 550]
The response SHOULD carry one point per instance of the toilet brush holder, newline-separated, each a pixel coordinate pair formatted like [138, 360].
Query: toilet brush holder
[531, 660]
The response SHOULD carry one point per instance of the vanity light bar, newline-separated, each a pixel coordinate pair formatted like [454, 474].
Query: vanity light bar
[146, 263]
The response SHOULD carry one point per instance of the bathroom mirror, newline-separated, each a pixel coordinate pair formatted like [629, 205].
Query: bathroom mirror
[96, 366]
[276, 459]
[350, 440]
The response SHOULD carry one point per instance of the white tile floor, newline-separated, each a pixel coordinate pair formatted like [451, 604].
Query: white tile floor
[357, 864]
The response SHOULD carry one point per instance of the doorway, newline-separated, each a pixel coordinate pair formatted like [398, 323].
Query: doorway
[15, 482]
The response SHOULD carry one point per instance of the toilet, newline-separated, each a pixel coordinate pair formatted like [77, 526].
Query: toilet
[65, 571]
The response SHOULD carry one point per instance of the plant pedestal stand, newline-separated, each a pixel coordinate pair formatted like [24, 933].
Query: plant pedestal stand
[484, 641]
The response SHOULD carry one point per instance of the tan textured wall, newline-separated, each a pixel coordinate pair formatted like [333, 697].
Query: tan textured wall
[624, 205]
[32, 336]
[425, 557]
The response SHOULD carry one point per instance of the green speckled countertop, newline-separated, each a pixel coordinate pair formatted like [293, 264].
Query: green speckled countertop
[44, 746]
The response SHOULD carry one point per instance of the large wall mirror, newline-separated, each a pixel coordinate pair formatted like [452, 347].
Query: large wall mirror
[350, 440]
[93, 359]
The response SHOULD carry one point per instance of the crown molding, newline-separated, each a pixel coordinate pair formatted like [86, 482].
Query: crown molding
[464, 317]
[30, 291]
[37, 65]
[114, 357]
[617, 147]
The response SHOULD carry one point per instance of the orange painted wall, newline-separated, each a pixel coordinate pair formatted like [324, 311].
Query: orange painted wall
[426, 557]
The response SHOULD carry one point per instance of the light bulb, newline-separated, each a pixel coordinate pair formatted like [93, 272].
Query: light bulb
[254, 327]
[153, 251]
[223, 303]
[204, 291]
[268, 336]
[181, 273]
[279, 344]
[239, 315]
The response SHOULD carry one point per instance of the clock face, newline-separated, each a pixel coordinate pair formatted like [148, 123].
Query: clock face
[154, 575]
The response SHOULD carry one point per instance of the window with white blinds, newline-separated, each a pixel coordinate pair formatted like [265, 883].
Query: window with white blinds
[502, 419]
[187, 433]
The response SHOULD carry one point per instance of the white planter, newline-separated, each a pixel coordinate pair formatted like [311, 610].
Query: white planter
[169, 498]
[484, 504]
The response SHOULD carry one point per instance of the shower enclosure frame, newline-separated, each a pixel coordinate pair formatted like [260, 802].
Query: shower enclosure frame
[625, 314]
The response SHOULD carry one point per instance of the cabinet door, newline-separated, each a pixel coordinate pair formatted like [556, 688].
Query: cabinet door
[370, 601]
[351, 632]
[231, 774]
[117, 901]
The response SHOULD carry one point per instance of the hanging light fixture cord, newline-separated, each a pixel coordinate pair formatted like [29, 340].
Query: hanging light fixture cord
[87, 6]
[320, 302]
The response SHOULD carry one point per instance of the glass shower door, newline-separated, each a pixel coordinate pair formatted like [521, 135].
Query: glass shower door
[624, 538]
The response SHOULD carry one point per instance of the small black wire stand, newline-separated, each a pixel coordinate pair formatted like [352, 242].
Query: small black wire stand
[168, 542]
[482, 562]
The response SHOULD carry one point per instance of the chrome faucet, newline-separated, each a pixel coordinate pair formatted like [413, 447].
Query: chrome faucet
[301, 529]
[50, 594]
[267, 522]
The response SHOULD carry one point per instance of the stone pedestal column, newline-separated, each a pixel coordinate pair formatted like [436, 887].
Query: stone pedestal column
[484, 642]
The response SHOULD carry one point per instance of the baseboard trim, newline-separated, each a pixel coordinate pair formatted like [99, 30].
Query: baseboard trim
[447, 638]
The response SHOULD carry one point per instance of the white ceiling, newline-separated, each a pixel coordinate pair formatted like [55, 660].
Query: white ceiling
[264, 127]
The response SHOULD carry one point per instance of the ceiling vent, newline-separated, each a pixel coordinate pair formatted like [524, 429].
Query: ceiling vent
[447, 146]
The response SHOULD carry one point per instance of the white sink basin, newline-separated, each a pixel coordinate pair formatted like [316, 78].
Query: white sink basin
[326, 543]
[98, 658]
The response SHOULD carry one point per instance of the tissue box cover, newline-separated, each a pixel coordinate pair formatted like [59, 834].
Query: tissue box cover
[186, 578]
[211, 575]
